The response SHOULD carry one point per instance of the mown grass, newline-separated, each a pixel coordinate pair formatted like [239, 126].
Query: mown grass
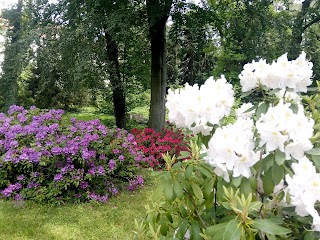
[90, 113]
[112, 220]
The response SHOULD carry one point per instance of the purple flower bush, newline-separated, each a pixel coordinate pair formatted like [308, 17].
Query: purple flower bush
[42, 160]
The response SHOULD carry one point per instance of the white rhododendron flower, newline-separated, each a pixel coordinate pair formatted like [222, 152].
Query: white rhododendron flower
[282, 74]
[282, 129]
[241, 112]
[231, 148]
[289, 96]
[194, 107]
[304, 189]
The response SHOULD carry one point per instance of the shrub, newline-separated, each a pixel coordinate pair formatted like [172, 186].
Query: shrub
[44, 161]
[154, 145]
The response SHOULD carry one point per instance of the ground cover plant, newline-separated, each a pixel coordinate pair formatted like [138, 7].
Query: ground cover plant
[45, 161]
[256, 178]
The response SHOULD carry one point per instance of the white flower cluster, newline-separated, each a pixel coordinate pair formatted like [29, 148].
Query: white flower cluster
[232, 148]
[282, 129]
[282, 73]
[194, 107]
[242, 113]
[304, 190]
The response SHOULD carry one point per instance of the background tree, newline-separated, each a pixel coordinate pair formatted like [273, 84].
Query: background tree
[158, 13]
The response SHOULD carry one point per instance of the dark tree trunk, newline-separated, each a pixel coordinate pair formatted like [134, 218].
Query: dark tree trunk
[297, 31]
[158, 13]
[117, 84]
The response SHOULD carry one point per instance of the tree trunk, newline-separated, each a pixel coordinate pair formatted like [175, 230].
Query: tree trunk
[117, 84]
[158, 13]
[297, 31]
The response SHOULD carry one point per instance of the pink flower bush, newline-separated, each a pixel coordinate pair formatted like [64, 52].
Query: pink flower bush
[154, 144]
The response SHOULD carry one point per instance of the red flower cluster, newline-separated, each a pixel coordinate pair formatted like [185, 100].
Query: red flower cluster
[154, 144]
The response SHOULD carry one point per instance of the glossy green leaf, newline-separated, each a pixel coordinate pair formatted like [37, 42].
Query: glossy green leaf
[195, 231]
[280, 157]
[314, 151]
[267, 226]
[197, 191]
[168, 191]
[277, 174]
[262, 109]
[268, 184]
[216, 231]
[189, 171]
[178, 189]
[232, 231]
[208, 188]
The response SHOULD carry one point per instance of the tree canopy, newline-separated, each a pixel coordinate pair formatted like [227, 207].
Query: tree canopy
[74, 53]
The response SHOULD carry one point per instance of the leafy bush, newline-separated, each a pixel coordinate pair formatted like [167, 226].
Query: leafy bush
[154, 145]
[45, 161]
[256, 178]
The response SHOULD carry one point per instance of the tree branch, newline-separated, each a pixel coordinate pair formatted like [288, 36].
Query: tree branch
[309, 24]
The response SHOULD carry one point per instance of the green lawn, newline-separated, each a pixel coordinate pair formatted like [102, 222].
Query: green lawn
[113, 220]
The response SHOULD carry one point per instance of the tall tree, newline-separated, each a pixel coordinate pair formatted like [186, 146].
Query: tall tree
[11, 63]
[308, 15]
[158, 12]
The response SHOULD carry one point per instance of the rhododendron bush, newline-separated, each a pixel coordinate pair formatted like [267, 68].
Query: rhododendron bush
[257, 177]
[155, 144]
[45, 161]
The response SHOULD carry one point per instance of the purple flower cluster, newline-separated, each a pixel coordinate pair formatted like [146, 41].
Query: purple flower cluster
[41, 159]
[135, 183]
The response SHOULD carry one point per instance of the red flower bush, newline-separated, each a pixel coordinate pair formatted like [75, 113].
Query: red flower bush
[154, 144]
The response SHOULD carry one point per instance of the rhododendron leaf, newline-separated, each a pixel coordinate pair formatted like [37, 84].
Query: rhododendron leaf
[232, 231]
[208, 188]
[182, 228]
[164, 227]
[245, 94]
[277, 174]
[310, 236]
[245, 187]
[209, 201]
[195, 231]
[312, 89]
[316, 126]
[168, 191]
[267, 162]
[216, 231]
[268, 184]
[262, 109]
[158, 193]
[178, 189]
[236, 181]
[184, 154]
[189, 171]
[183, 211]
[280, 157]
[314, 151]
[274, 91]
[294, 107]
[268, 226]
[205, 172]
[197, 191]
[316, 160]
[254, 206]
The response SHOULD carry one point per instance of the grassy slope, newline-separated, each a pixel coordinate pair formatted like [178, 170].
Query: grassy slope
[113, 220]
